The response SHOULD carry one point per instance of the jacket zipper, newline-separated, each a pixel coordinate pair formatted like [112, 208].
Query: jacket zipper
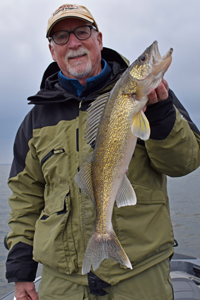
[77, 133]
[52, 152]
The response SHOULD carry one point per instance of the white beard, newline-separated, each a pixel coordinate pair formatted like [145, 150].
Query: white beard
[77, 70]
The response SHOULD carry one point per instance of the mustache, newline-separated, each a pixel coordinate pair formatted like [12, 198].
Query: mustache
[76, 53]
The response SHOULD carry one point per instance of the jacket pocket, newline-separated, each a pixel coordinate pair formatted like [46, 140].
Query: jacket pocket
[51, 153]
[53, 241]
[144, 229]
[55, 167]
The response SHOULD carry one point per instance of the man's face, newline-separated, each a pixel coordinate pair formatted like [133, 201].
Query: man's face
[77, 59]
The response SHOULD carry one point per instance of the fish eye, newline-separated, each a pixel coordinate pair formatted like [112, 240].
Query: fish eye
[142, 58]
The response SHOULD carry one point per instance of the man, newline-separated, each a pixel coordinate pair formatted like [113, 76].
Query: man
[51, 219]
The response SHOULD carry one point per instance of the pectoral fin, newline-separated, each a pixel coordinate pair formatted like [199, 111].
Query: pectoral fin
[84, 181]
[126, 194]
[140, 126]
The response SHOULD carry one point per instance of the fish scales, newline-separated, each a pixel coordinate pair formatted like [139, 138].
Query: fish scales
[113, 136]
[121, 122]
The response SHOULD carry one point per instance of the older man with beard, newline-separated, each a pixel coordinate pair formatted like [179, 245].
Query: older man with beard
[51, 218]
[77, 59]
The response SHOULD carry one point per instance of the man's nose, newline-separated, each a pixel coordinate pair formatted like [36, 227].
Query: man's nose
[73, 41]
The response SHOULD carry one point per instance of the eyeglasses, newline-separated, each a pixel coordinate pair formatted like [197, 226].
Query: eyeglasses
[81, 33]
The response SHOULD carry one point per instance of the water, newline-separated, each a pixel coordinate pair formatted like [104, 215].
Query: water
[4, 228]
[184, 195]
[185, 214]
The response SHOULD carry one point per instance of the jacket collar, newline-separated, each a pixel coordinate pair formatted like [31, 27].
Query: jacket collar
[52, 92]
[94, 83]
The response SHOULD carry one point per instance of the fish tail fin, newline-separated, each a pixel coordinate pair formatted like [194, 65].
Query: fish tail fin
[102, 246]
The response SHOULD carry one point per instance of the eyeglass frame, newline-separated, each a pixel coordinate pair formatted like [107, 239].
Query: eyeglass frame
[72, 31]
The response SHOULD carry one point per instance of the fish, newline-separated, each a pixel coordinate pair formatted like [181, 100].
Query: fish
[115, 121]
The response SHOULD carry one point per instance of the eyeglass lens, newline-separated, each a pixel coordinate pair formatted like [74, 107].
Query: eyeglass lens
[62, 37]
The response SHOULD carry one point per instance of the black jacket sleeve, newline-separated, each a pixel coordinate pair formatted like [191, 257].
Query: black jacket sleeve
[162, 116]
[20, 265]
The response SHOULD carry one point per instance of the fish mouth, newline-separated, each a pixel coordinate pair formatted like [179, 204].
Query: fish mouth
[160, 63]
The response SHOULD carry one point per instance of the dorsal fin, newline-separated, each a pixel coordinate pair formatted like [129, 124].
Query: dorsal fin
[94, 116]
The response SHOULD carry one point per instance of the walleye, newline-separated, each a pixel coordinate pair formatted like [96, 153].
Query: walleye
[115, 121]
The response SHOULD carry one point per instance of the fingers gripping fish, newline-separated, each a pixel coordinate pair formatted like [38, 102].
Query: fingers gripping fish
[115, 121]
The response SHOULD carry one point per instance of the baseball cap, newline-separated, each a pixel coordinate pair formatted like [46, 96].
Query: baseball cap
[70, 11]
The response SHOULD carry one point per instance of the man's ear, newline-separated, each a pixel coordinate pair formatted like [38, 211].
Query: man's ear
[100, 40]
[51, 48]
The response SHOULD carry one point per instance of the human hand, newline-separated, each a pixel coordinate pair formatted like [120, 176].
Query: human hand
[25, 291]
[159, 94]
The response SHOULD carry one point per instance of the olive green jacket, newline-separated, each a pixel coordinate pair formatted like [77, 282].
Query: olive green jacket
[49, 211]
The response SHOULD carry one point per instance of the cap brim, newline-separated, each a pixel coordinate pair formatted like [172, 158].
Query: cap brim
[70, 16]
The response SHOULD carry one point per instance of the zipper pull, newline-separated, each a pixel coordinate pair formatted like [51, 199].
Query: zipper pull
[58, 151]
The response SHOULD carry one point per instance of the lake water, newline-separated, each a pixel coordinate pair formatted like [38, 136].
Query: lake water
[185, 214]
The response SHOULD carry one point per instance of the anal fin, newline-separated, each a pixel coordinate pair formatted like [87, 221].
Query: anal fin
[126, 194]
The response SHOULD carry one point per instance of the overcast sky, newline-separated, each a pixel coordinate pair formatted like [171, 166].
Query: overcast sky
[128, 26]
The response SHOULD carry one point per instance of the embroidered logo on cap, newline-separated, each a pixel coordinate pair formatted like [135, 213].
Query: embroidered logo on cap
[65, 7]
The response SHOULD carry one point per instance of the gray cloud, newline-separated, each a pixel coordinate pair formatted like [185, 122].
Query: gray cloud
[128, 27]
